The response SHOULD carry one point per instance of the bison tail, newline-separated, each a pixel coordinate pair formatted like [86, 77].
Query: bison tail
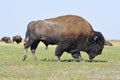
[26, 36]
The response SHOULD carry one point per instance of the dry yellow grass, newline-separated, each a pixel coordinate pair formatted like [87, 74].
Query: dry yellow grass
[115, 42]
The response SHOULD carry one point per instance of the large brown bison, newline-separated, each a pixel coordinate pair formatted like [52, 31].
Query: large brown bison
[70, 33]
[6, 39]
[17, 39]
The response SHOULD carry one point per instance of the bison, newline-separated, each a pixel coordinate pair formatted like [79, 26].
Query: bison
[108, 43]
[70, 33]
[6, 39]
[17, 39]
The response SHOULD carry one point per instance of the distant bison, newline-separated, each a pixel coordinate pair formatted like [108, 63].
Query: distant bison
[6, 39]
[107, 43]
[17, 39]
[70, 33]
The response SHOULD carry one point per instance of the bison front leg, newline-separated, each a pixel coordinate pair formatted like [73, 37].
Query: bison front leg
[58, 53]
[60, 49]
[77, 56]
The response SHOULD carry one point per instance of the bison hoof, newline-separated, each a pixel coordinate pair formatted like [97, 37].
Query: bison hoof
[58, 61]
[90, 60]
[35, 58]
[83, 61]
[24, 57]
[79, 60]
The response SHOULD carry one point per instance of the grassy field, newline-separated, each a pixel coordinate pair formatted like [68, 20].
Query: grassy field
[104, 67]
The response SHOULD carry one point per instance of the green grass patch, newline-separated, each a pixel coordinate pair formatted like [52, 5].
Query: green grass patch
[104, 67]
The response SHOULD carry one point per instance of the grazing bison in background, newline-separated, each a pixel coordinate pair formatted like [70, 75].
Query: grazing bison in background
[107, 43]
[17, 39]
[6, 39]
[70, 33]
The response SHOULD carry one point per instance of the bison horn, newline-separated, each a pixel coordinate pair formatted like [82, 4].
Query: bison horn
[95, 38]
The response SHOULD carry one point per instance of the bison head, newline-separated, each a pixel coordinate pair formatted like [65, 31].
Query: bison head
[95, 45]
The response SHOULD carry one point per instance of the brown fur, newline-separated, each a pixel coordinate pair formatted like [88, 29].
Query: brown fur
[74, 26]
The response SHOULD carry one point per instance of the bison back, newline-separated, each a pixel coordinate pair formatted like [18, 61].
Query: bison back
[74, 26]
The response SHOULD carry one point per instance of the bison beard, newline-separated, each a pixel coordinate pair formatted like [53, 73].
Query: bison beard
[70, 33]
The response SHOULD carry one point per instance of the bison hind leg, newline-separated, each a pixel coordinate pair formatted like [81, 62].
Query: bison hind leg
[25, 54]
[33, 48]
[24, 57]
[26, 46]
[34, 55]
